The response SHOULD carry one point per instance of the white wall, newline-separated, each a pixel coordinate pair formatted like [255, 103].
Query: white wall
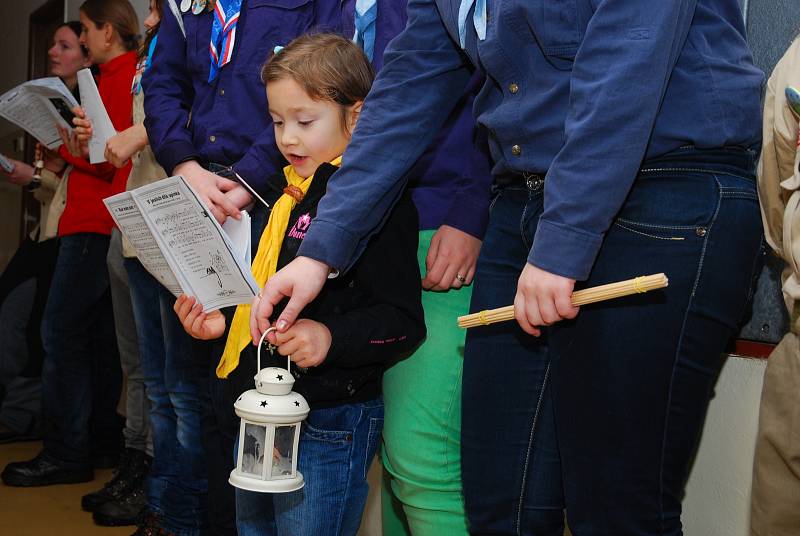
[717, 501]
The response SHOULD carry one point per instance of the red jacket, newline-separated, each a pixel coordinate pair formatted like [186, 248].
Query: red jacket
[89, 183]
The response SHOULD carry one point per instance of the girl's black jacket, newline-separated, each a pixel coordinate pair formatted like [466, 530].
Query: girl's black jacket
[373, 311]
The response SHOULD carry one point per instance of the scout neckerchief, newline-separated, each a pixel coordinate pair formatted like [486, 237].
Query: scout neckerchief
[142, 67]
[223, 34]
[365, 15]
[478, 19]
[264, 265]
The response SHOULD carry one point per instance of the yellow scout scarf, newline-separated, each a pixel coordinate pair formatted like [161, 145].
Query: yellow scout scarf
[264, 266]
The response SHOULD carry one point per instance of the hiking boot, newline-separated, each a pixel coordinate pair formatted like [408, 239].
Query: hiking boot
[133, 467]
[125, 511]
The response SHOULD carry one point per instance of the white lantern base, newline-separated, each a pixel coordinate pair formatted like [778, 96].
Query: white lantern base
[283, 485]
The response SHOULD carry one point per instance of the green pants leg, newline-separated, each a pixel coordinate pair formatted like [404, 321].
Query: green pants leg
[422, 427]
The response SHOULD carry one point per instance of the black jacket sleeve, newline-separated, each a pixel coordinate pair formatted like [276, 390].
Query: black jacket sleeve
[391, 321]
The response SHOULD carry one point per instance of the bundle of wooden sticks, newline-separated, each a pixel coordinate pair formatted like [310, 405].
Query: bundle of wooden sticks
[580, 297]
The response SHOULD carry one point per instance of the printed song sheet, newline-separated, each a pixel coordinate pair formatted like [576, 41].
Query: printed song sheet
[37, 106]
[205, 261]
[131, 223]
[102, 128]
[6, 164]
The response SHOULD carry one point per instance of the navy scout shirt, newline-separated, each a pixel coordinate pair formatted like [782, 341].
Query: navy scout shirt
[582, 90]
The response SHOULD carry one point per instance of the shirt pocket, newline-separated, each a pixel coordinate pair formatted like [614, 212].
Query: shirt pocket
[557, 27]
[269, 23]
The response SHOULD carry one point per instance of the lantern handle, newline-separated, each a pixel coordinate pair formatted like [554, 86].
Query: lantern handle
[258, 354]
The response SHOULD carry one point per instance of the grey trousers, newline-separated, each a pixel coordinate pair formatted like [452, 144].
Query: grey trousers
[138, 433]
[21, 408]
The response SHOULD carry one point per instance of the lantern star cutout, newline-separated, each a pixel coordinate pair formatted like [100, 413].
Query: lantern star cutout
[296, 403]
[280, 377]
[263, 403]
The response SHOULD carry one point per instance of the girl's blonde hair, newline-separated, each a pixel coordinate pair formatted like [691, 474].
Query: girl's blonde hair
[327, 66]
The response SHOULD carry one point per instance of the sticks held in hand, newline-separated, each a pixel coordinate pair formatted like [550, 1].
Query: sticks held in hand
[581, 297]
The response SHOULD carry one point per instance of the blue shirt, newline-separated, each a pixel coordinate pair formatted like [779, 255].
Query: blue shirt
[229, 120]
[581, 90]
[451, 182]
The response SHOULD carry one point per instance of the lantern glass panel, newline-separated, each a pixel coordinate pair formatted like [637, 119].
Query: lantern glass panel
[253, 449]
[283, 452]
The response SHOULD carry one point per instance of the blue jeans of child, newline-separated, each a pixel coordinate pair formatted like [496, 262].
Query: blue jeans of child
[81, 375]
[336, 448]
[177, 484]
[601, 415]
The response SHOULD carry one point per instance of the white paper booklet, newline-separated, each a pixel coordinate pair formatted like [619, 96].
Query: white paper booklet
[102, 128]
[6, 164]
[37, 106]
[181, 244]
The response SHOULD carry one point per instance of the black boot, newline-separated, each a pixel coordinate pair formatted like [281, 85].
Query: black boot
[125, 511]
[134, 464]
[45, 471]
[150, 525]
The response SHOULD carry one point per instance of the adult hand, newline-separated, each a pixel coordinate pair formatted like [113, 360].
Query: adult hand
[21, 175]
[542, 299]
[197, 323]
[451, 259]
[307, 342]
[211, 188]
[300, 281]
[72, 143]
[83, 127]
[239, 196]
[123, 145]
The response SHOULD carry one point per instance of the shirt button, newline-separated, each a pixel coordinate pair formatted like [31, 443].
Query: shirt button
[212, 139]
[516, 150]
[513, 88]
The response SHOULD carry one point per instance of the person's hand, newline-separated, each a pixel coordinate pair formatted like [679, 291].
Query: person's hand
[200, 325]
[211, 188]
[542, 299]
[72, 143]
[451, 259]
[52, 161]
[300, 281]
[83, 127]
[21, 175]
[239, 196]
[307, 342]
[123, 145]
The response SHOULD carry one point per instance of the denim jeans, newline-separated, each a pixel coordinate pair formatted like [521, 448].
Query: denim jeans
[336, 448]
[177, 484]
[81, 376]
[630, 378]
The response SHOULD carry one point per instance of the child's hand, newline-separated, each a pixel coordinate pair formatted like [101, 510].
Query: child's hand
[306, 341]
[197, 323]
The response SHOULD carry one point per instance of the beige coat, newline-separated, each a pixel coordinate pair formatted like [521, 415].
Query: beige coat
[52, 196]
[776, 472]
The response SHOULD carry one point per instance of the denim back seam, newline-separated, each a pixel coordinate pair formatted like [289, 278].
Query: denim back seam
[530, 449]
[372, 430]
[689, 304]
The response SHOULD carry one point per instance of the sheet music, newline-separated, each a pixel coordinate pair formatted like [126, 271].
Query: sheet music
[6, 164]
[102, 128]
[37, 106]
[130, 222]
[181, 244]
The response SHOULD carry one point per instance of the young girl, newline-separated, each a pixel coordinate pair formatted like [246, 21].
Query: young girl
[78, 328]
[362, 319]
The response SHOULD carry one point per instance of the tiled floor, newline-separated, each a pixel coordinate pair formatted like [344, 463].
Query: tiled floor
[51, 510]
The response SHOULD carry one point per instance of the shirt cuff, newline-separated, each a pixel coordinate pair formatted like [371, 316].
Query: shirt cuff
[173, 153]
[326, 242]
[564, 250]
[471, 218]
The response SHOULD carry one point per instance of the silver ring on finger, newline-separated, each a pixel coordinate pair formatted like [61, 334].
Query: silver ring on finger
[461, 278]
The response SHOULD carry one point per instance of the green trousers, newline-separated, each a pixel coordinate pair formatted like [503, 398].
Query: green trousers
[422, 427]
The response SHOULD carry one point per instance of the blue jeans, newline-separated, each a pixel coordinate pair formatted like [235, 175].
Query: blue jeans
[336, 448]
[81, 375]
[177, 484]
[629, 379]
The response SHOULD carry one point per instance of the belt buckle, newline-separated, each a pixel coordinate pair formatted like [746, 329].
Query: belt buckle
[533, 181]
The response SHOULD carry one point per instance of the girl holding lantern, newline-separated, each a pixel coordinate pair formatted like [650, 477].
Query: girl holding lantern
[361, 320]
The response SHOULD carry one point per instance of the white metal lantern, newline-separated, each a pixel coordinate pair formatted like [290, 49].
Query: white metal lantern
[266, 459]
